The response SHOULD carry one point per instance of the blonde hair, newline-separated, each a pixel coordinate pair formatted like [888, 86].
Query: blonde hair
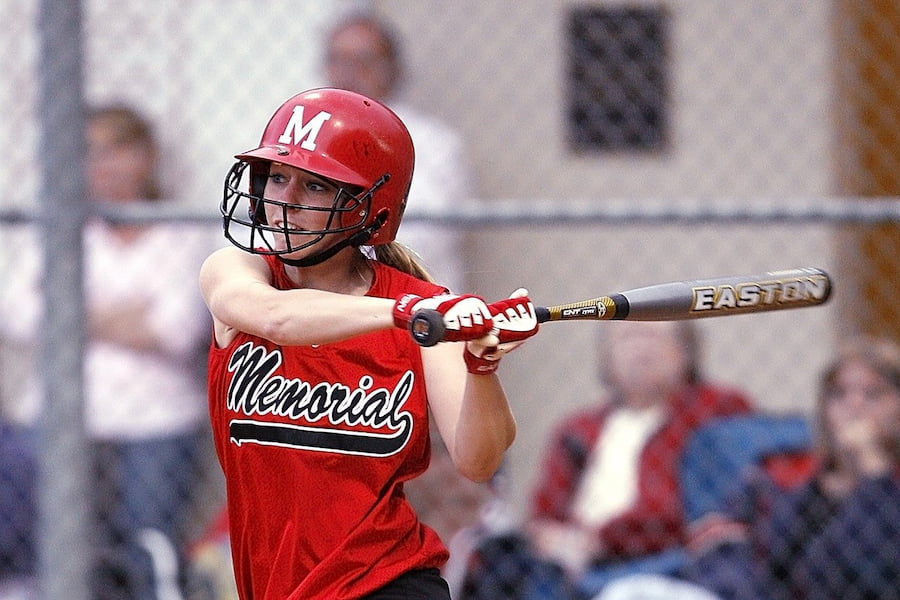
[403, 258]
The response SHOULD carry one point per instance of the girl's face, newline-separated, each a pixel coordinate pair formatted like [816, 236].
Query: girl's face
[313, 197]
[862, 408]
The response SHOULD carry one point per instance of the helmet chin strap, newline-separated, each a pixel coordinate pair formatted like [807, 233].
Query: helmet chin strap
[356, 240]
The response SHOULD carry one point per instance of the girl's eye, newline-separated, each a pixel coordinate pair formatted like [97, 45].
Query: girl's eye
[277, 178]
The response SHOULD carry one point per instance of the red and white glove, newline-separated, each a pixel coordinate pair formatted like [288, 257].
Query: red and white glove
[459, 318]
[514, 322]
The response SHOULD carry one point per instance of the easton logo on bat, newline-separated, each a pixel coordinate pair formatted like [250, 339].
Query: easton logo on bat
[811, 289]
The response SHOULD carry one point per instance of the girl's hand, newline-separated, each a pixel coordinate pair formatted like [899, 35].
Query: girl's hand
[514, 322]
[462, 318]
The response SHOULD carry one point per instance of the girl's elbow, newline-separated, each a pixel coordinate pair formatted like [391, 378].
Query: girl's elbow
[483, 467]
[510, 432]
[279, 327]
[477, 453]
[479, 473]
[269, 330]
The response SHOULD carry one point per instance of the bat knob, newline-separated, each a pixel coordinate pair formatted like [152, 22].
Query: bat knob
[427, 327]
[542, 313]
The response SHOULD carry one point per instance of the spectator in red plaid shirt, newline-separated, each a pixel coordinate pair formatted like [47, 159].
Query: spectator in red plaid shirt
[609, 489]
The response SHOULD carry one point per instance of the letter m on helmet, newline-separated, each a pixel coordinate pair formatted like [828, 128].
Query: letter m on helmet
[296, 132]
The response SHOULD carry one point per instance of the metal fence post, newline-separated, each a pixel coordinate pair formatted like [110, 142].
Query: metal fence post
[65, 548]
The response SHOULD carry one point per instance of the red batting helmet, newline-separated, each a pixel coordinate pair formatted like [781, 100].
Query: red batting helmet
[353, 141]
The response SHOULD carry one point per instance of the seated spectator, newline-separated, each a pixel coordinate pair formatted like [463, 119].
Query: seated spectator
[145, 407]
[818, 526]
[836, 535]
[609, 490]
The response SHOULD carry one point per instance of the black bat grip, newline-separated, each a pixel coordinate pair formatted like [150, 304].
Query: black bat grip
[427, 327]
[542, 313]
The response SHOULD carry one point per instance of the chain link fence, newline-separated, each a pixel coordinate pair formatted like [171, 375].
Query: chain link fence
[612, 145]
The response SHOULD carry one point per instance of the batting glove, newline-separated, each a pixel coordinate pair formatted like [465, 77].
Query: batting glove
[514, 322]
[444, 318]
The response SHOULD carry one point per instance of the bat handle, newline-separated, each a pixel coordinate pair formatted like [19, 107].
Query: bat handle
[427, 327]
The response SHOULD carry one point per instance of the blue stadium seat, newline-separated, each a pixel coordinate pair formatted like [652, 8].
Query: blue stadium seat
[717, 453]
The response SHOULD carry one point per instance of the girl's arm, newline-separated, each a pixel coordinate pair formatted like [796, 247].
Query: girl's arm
[238, 291]
[471, 411]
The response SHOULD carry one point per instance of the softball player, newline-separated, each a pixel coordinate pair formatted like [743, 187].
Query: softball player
[319, 396]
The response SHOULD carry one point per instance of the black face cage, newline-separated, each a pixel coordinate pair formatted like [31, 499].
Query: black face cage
[251, 232]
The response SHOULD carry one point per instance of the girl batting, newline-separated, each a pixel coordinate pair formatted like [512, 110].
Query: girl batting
[318, 394]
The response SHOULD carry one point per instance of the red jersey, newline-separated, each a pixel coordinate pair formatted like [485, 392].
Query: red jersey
[315, 443]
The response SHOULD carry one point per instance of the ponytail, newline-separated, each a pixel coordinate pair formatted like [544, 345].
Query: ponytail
[403, 258]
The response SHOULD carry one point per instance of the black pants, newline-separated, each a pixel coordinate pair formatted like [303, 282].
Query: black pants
[422, 584]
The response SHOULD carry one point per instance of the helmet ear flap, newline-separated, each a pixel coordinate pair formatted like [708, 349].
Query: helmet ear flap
[368, 233]
[380, 219]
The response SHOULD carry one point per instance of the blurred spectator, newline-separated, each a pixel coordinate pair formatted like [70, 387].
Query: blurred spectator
[18, 468]
[145, 406]
[363, 54]
[609, 490]
[822, 525]
[835, 533]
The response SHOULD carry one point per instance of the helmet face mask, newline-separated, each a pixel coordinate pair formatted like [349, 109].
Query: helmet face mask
[355, 143]
[250, 229]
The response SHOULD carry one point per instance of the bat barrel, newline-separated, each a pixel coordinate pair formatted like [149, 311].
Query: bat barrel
[775, 290]
[720, 296]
